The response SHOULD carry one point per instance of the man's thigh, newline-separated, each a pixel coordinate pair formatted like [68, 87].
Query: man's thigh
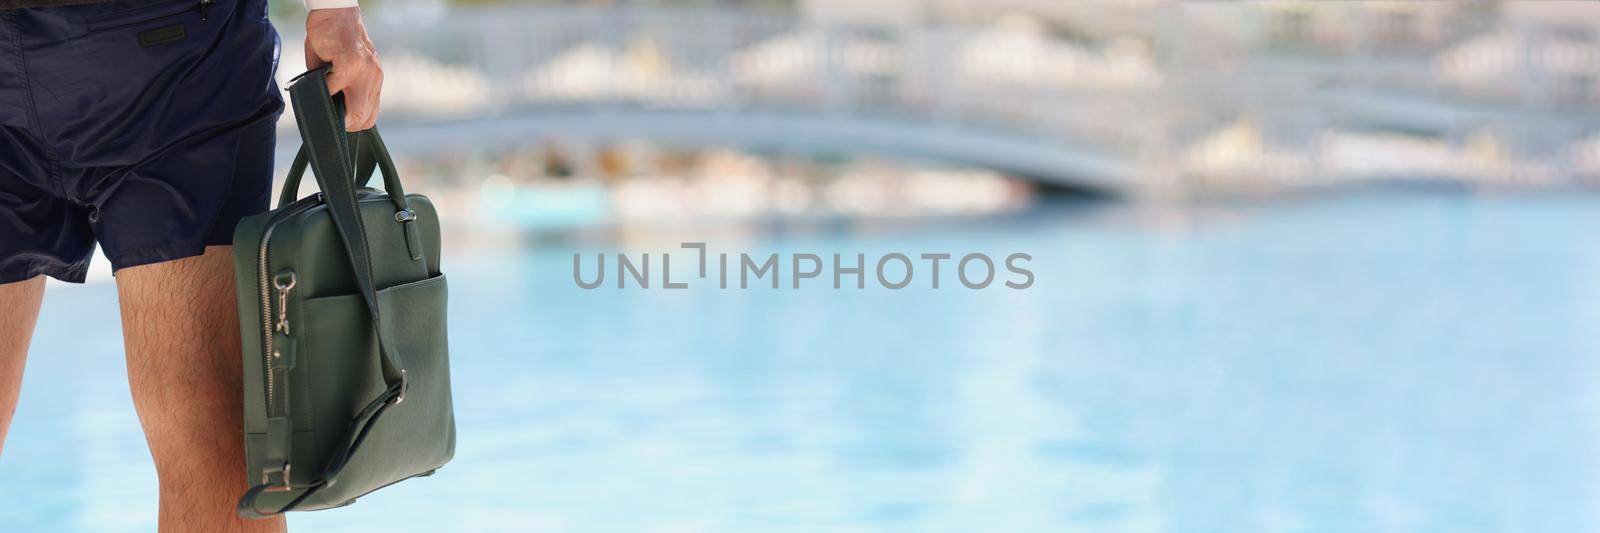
[18, 313]
[180, 327]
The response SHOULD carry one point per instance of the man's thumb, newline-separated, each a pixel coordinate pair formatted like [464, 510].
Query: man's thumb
[337, 81]
[312, 59]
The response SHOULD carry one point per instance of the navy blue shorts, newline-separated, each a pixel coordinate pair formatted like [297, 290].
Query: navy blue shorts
[146, 126]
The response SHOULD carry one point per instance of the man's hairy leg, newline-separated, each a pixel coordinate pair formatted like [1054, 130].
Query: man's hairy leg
[180, 326]
[19, 309]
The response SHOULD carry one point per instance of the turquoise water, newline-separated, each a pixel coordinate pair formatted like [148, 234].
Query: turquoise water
[1366, 362]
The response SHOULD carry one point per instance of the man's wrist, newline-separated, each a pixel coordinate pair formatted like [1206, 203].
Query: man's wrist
[329, 4]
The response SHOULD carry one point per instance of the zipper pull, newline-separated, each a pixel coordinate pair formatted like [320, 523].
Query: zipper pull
[205, 9]
[284, 282]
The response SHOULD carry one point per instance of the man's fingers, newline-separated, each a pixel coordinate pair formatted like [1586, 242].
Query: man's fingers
[360, 97]
[360, 80]
[374, 91]
[377, 97]
[360, 105]
[361, 109]
[340, 79]
[354, 101]
[357, 108]
[312, 59]
[377, 93]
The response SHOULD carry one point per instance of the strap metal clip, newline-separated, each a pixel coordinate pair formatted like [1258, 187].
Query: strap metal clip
[266, 478]
[405, 384]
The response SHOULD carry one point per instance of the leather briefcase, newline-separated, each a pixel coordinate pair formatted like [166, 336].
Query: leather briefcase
[342, 312]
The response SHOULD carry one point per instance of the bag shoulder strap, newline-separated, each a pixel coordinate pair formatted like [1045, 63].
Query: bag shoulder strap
[330, 157]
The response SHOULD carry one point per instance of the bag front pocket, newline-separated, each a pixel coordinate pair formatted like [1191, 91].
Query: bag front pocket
[339, 364]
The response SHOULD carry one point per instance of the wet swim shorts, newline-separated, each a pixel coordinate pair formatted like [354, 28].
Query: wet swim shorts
[146, 126]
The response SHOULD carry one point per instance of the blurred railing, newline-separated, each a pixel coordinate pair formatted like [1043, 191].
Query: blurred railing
[508, 59]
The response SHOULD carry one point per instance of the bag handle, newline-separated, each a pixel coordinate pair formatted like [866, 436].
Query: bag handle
[371, 154]
[328, 152]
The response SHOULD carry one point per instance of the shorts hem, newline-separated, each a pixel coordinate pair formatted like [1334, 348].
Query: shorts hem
[155, 254]
[69, 274]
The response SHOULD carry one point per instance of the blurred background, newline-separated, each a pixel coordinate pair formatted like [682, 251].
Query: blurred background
[1301, 266]
[609, 111]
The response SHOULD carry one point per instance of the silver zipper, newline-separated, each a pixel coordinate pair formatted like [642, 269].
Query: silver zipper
[267, 323]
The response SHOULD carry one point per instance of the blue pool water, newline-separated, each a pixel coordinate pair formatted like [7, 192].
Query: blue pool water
[1367, 362]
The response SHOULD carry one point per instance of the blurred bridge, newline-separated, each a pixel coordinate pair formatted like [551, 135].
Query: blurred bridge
[785, 132]
[1139, 97]
[690, 77]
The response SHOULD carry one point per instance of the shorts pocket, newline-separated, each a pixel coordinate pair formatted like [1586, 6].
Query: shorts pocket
[140, 14]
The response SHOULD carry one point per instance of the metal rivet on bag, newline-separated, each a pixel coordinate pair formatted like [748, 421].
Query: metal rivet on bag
[404, 215]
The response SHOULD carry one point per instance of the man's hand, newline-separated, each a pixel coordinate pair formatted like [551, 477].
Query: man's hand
[337, 36]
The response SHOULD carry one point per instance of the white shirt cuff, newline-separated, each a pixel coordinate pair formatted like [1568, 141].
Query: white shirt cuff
[329, 4]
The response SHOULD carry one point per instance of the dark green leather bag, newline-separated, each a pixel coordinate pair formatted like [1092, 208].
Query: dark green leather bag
[342, 311]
